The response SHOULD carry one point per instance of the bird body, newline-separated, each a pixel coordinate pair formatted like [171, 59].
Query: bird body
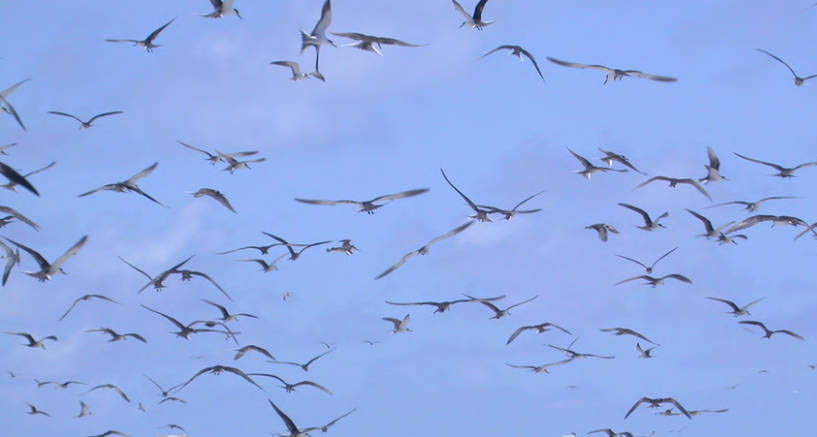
[147, 43]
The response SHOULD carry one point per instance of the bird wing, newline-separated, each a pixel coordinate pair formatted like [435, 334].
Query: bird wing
[13, 112]
[807, 164]
[502, 47]
[787, 332]
[642, 75]
[728, 302]
[577, 65]
[706, 222]
[470, 203]
[19, 217]
[640, 401]
[460, 9]
[104, 187]
[752, 303]
[132, 180]
[6, 92]
[70, 308]
[770, 164]
[749, 222]
[196, 149]
[654, 178]
[525, 200]
[533, 61]
[69, 253]
[697, 186]
[681, 278]
[633, 260]
[156, 32]
[268, 375]
[16, 178]
[400, 195]
[104, 114]
[516, 334]
[754, 323]
[172, 320]
[397, 42]
[328, 202]
[778, 60]
[663, 256]
[296, 68]
[645, 277]
[523, 302]
[220, 198]
[287, 421]
[478, 10]
[325, 20]
[313, 384]
[397, 264]
[34, 254]
[714, 162]
[123, 40]
[282, 241]
[136, 336]
[679, 407]
[221, 308]
[207, 277]
[308, 363]
[66, 115]
[200, 372]
[581, 159]
[643, 213]
[240, 373]
[27, 336]
[336, 420]
[450, 233]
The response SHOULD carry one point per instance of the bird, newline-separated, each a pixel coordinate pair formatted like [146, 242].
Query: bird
[157, 281]
[297, 74]
[173, 426]
[214, 194]
[649, 224]
[86, 124]
[509, 214]
[293, 255]
[517, 51]
[753, 206]
[13, 214]
[736, 310]
[325, 428]
[86, 298]
[6, 106]
[602, 229]
[673, 182]
[147, 43]
[109, 433]
[692, 413]
[225, 315]
[31, 341]
[539, 369]
[776, 220]
[614, 73]
[626, 331]
[48, 269]
[111, 387]
[184, 330]
[782, 172]
[83, 410]
[291, 427]
[797, 79]
[291, 387]
[115, 336]
[443, 306]
[610, 157]
[172, 399]
[34, 410]
[499, 313]
[399, 325]
[263, 249]
[611, 433]
[58, 385]
[128, 185]
[656, 402]
[346, 247]
[367, 206]
[473, 20]
[371, 43]
[589, 168]
[540, 328]
[768, 333]
[305, 366]
[317, 37]
[370, 342]
[16, 179]
[424, 250]
[710, 230]
[12, 258]
[222, 8]
[21, 179]
[187, 275]
[651, 280]
[234, 164]
[644, 353]
[481, 214]
[165, 393]
[218, 156]
[713, 169]
[573, 355]
[216, 370]
[266, 267]
[651, 266]
[252, 348]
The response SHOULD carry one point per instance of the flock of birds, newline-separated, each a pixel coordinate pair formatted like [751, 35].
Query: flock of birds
[726, 233]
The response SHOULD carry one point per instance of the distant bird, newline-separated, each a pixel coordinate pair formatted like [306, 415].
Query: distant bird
[216, 370]
[657, 281]
[611, 433]
[518, 52]
[297, 74]
[225, 315]
[539, 369]
[110, 433]
[644, 353]
[673, 182]
[589, 168]
[626, 331]
[266, 267]
[252, 348]
[185, 330]
[713, 169]
[58, 385]
[768, 333]
[173, 426]
[157, 281]
[473, 20]
[12, 184]
[87, 298]
[424, 250]
[371, 43]
[367, 206]
[573, 355]
[710, 230]
[48, 269]
[317, 37]
[480, 213]
[346, 247]
[776, 220]
[34, 410]
[443, 306]
[509, 214]
[165, 393]
[6, 106]
[649, 224]
[115, 336]
[128, 185]
[602, 229]
[291, 427]
[86, 124]
[656, 402]
[651, 266]
[736, 310]
[499, 313]
[16, 179]
[263, 249]
[753, 206]
[214, 194]
[293, 255]
[399, 325]
[218, 156]
[614, 73]
[147, 43]
[325, 428]
[12, 258]
[291, 387]
[31, 341]
[83, 410]
[222, 8]
[540, 328]
[13, 214]
[371, 343]
[610, 157]
[797, 79]
[111, 387]
[782, 172]
[305, 366]
[234, 164]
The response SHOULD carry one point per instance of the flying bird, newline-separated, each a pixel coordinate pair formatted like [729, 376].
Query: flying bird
[399, 325]
[83, 410]
[509, 214]
[626, 331]
[214, 194]
[291, 427]
[47, 269]
[216, 370]
[86, 298]
[222, 8]
[367, 206]
[713, 169]
[16, 179]
[499, 313]
[589, 168]
[602, 229]
[649, 224]
[297, 74]
[371, 43]
[644, 353]
[346, 247]
[539, 369]
[85, 124]
[797, 79]
[711, 231]
[673, 182]
[518, 52]
[540, 328]
[115, 336]
[252, 348]
[653, 281]
[614, 73]
[58, 385]
[6, 106]
[651, 266]
[473, 20]
[753, 206]
[187, 275]
[234, 164]
[611, 157]
[304, 367]
[736, 310]
[573, 355]
[767, 333]
[317, 37]
[225, 315]
[656, 402]
[111, 387]
[147, 43]
[776, 220]
[218, 156]
[481, 214]
[291, 387]
[782, 172]
[128, 185]
[111, 432]
[31, 341]
[13, 214]
[165, 393]
[157, 281]
[443, 306]
[34, 410]
[185, 330]
[265, 266]
[424, 250]
[293, 255]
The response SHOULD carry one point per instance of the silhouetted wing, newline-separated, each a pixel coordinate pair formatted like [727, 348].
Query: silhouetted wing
[171, 319]
[6, 92]
[328, 202]
[787, 332]
[516, 334]
[104, 114]
[397, 264]
[400, 195]
[704, 220]
[681, 278]
[714, 162]
[478, 10]
[17, 178]
[42, 262]
[679, 407]
[65, 115]
[69, 253]
[728, 302]
[470, 203]
[156, 32]
[287, 421]
[18, 216]
[577, 65]
[533, 61]
[770, 164]
[581, 159]
[697, 186]
[641, 75]
[633, 260]
[778, 60]
[104, 187]
[640, 401]
[645, 277]
[450, 233]
[807, 164]
[749, 222]
[210, 155]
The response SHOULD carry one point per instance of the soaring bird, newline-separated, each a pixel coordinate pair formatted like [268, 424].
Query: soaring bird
[573, 355]
[216, 370]
[673, 182]
[83, 410]
[480, 213]
[147, 43]
[614, 73]
[611, 157]
[510, 213]
[713, 169]
[31, 341]
[291, 427]
[218, 156]
[267, 267]
[297, 74]
[34, 410]
[656, 402]
[782, 220]
[85, 124]
[644, 353]
[424, 250]
[767, 333]
[649, 224]
[48, 269]
[157, 281]
[111, 387]
[305, 366]
[399, 325]
[517, 51]
[293, 255]
[346, 247]
[473, 20]
[222, 8]
[128, 185]
[58, 385]
[214, 194]
[651, 266]
[443, 306]
[367, 206]
[115, 336]
[625, 331]
[187, 275]
[782, 172]
[539, 369]
[186, 330]
[602, 229]
[252, 348]
[797, 79]
[589, 168]
[540, 328]
[711, 231]
[753, 206]
[86, 298]
[736, 310]
[291, 387]
[225, 315]
[317, 37]
[371, 43]
[651, 280]
[499, 313]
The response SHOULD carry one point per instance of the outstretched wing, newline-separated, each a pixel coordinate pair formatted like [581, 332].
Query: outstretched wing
[156, 32]
[66, 115]
[17, 178]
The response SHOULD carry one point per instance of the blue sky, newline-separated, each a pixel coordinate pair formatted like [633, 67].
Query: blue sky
[385, 124]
